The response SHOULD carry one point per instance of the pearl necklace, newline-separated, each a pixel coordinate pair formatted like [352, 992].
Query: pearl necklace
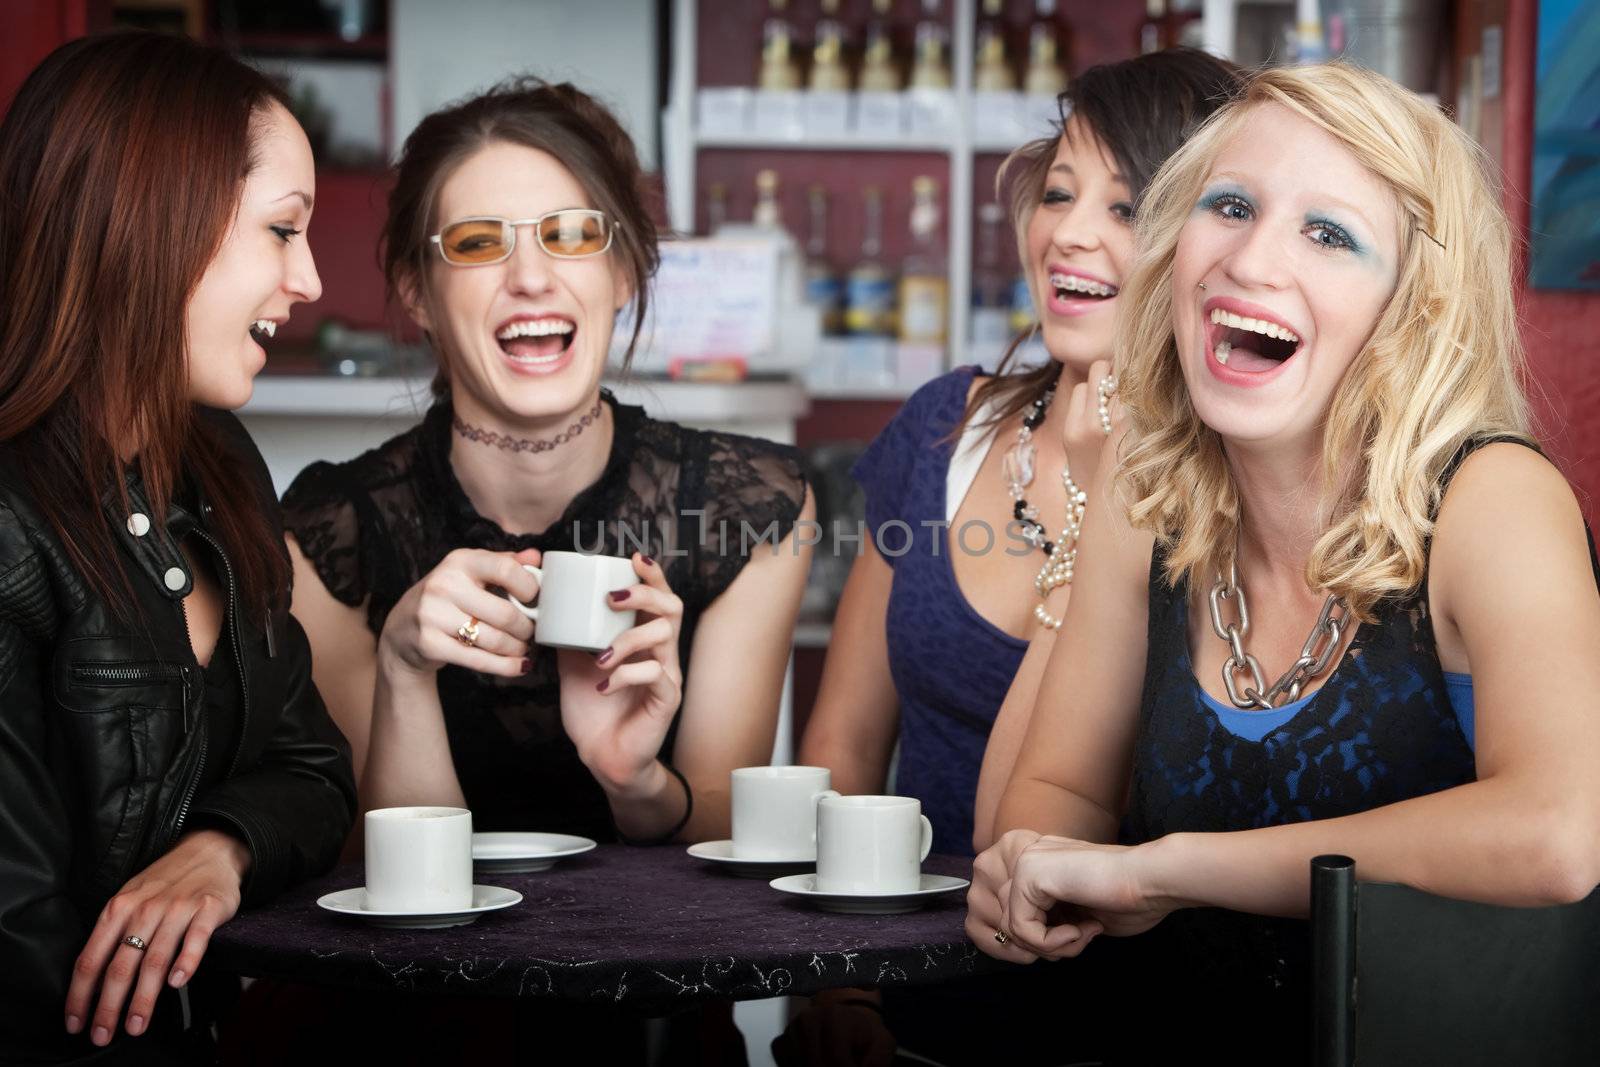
[1061, 555]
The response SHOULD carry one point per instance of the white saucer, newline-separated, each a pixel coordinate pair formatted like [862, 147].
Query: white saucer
[933, 886]
[518, 853]
[721, 853]
[354, 902]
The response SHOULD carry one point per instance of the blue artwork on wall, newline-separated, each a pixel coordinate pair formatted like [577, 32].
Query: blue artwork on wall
[1564, 238]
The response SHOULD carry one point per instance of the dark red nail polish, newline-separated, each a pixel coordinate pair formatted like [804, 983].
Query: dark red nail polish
[527, 665]
[601, 688]
[649, 561]
[619, 595]
[602, 657]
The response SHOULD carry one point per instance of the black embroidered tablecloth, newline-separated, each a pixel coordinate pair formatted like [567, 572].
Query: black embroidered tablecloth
[650, 928]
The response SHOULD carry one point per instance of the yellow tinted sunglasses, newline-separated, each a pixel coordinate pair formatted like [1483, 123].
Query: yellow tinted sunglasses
[570, 233]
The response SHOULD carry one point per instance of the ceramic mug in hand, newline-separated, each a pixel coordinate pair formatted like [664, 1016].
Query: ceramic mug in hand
[574, 605]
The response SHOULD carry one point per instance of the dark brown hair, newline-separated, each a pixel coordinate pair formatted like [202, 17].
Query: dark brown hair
[562, 120]
[122, 160]
[1140, 111]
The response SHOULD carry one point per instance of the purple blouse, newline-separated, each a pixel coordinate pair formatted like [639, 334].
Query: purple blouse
[951, 666]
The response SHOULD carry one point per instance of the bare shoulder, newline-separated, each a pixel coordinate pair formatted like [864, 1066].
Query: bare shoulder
[1509, 518]
[1502, 488]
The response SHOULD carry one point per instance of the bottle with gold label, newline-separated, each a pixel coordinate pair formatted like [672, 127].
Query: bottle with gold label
[924, 279]
[879, 72]
[1045, 76]
[716, 207]
[992, 72]
[823, 290]
[768, 214]
[828, 71]
[930, 68]
[869, 290]
[1153, 34]
[779, 69]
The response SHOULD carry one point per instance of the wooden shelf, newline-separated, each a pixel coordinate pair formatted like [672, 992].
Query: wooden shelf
[846, 143]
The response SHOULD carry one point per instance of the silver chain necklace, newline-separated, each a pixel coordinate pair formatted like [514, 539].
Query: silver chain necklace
[1324, 640]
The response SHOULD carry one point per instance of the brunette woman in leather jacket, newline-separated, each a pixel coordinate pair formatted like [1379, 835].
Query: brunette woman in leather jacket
[164, 756]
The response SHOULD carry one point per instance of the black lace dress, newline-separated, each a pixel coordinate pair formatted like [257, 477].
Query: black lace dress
[377, 524]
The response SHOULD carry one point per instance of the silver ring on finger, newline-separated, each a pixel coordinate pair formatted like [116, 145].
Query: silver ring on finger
[467, 632]
[135, 941]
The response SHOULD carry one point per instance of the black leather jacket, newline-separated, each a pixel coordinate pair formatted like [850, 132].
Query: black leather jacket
[104, 740]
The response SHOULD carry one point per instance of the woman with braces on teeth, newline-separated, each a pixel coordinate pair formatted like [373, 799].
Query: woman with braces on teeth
[937, 641]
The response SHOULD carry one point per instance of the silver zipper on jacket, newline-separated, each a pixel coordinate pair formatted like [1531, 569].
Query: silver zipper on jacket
[127, 675]
[238, 653]
[200, 724]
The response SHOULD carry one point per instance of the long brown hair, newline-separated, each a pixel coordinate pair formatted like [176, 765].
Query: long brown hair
[1140, 111]
[562, 120]
[122, 161]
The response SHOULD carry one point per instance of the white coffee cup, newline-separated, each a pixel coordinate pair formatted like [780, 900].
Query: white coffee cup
[775, 811]
[419, 860]
[574, 605]
[871, 845]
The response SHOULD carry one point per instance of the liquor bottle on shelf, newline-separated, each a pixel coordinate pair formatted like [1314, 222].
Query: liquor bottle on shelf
[768, 214]
[991, 288]
[878, 70]
[778, 67]
[869, 290]
[992, 72]
[1044, 75]
[1023, 316]
[924, 280]
[930, 68]
[1153, 35]
[823, 290]
[828, 71]
[716, 207]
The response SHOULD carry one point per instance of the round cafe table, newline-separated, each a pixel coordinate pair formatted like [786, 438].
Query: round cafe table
[650, 929]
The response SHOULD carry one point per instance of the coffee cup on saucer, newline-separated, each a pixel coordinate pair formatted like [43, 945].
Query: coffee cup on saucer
[419, 860]
[871, 845]
[775, 811]
[573, 609]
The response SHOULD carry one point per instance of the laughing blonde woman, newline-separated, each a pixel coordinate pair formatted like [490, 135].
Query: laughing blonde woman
[1324, 381]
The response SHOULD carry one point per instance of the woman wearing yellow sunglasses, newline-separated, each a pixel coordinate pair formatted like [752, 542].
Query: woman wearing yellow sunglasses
[517, 230]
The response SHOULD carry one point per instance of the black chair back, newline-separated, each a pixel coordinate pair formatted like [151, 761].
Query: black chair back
[1405, 977]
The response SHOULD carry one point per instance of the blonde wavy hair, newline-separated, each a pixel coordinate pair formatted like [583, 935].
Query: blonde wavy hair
[1443, 365]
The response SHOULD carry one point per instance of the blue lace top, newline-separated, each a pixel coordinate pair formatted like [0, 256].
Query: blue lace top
[1384, 727]
[951, 666]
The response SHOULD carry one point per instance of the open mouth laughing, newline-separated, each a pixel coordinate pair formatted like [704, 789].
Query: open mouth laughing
[1248, 340]
[538, 341]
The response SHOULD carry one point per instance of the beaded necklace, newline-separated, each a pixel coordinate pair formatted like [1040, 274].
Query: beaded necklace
[1061, 555]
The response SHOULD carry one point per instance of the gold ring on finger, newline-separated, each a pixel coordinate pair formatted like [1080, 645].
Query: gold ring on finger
[135, 941]
[467, 632]
[1000, 936]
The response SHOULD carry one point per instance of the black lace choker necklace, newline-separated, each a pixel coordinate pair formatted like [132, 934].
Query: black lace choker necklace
[525, 444]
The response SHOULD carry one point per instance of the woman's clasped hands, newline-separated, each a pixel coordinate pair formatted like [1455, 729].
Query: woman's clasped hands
[1034, 896]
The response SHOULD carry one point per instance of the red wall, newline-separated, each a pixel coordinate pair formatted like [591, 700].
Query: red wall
[1561, 330]
[32, 29]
